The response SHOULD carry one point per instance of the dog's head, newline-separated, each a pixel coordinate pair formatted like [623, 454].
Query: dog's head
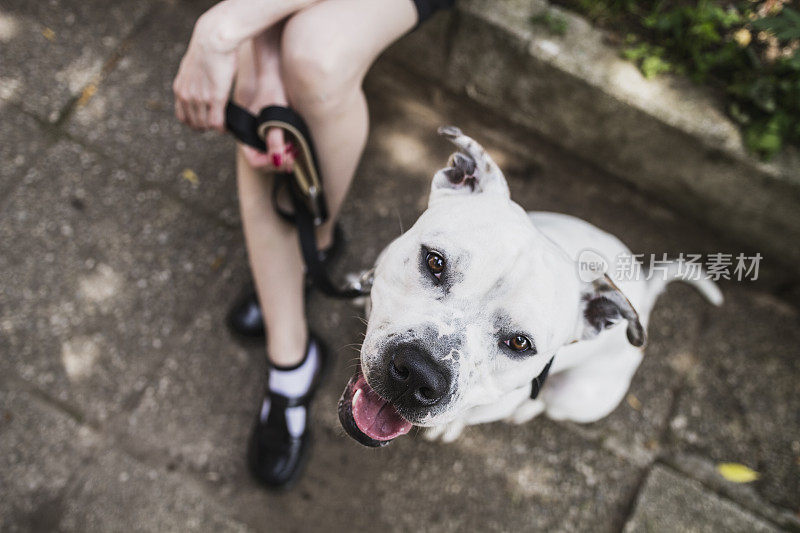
[468, 305]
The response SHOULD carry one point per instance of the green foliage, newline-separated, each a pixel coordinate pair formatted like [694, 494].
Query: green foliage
[785, 25]
[650, 59]
[554, 22]
[753, 59]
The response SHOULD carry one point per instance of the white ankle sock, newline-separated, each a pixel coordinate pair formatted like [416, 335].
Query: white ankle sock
[294, 383]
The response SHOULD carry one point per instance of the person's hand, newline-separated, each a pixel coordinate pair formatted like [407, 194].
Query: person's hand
[259, 89]
[204, 78]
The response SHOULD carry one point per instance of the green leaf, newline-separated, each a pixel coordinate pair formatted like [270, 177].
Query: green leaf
[652, 66]
[764, 138]
[554, 22]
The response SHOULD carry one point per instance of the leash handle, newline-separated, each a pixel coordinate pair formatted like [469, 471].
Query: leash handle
[244, 126]
[308, 199]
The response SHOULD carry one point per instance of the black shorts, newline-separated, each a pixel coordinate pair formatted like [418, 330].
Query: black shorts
[426, 8]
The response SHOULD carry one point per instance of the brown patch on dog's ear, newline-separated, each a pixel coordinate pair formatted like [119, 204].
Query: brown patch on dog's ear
[603, 306]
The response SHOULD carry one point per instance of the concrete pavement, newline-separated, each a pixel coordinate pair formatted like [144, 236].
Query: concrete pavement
[125, 403]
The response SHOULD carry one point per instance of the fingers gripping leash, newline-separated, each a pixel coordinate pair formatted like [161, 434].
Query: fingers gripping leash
[304, 185]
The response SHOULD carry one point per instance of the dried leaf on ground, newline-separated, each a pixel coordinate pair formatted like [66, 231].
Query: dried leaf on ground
[737, 473]
[190, 175]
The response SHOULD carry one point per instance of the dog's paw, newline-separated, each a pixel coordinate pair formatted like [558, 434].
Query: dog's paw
[526, 411]
[452, 431]
[432, 434]
[446, 433]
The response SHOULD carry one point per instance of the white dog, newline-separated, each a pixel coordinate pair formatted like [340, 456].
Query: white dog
[476, 304]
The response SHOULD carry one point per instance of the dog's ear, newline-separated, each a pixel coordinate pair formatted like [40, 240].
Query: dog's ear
[470, 170]
[603, 305]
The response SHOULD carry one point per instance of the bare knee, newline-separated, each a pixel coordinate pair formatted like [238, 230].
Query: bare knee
[320, 69]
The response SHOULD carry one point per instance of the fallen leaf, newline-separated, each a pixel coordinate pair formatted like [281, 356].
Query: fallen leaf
[634, 402]
[48, 34]
[86, 94]
[217, 263]
[737, 473]
[190, 175]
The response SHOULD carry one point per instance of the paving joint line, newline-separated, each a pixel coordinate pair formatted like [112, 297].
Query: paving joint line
[630, 505]
[143, 185]
[110, 439]
[62, 406]
[109, 65]
[51, 138]
[666, 463]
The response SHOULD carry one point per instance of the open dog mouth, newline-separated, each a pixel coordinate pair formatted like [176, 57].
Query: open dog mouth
[367, 417]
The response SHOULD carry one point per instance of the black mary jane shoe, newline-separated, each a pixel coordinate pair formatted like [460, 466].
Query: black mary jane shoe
[245, 318]
[275, 457]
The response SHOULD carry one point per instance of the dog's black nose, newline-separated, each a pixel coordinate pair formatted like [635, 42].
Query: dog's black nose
[415, 379]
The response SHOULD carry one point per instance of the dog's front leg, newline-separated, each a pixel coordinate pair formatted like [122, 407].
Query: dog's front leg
[445, 433]
[526, 411]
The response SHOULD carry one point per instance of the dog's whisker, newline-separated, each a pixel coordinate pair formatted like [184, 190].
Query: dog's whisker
[399, 220]
[360, 319]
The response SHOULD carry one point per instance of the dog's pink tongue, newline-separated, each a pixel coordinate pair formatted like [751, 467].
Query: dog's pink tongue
[376, 417]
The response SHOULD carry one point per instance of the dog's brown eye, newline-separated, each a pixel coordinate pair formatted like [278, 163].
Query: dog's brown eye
[519, 343]
[435, 263]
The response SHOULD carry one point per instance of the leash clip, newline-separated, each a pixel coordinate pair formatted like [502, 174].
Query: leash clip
[316, 202]
[361, 283]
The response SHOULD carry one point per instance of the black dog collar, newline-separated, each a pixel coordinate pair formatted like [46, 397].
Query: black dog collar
[538, 381]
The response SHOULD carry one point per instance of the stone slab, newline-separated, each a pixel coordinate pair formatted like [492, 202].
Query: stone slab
[636, 428]
[669, 502]
[99, 278]
[51, 51]
[741, 400]
[117, 493]
[745, 495]
[131, 118]
[538, 477]
[196, 410]
[41, 450]
[60, 475]
[23, 142]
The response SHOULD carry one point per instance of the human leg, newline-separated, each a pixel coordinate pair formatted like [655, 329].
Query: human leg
[326, 50]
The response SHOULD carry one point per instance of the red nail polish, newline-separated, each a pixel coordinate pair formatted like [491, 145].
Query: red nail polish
[276, 160]
[288, 147]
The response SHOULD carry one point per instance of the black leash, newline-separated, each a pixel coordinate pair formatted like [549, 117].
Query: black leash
[304, 186]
